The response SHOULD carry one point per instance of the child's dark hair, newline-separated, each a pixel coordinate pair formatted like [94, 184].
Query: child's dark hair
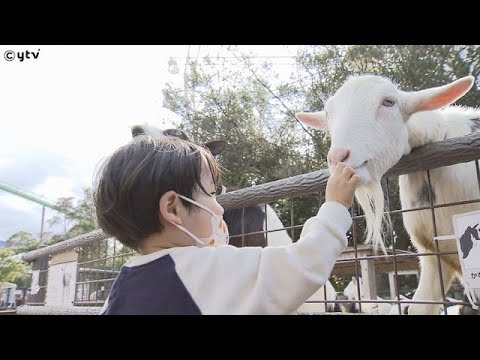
[130, 183]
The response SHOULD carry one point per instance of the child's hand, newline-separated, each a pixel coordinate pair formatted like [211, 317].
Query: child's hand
[342, 184]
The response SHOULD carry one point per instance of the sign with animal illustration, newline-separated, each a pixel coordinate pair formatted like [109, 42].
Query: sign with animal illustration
[467, 233]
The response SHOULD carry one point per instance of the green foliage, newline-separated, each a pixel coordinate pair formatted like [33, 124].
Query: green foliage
[79, 218]
[340, 281]
[18, 273]
[246, 105]
[21, 241]
[10, 268]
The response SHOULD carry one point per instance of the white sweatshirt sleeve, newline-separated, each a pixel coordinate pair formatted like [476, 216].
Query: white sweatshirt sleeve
[270, 280]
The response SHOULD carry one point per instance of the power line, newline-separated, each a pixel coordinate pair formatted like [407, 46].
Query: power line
[236, 57]
[277, 64]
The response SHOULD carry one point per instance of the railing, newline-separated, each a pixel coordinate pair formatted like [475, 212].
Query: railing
[98, 259]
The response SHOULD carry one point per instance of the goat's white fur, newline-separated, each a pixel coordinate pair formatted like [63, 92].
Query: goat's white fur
[380, 308]
[273, 222]
[359, 118]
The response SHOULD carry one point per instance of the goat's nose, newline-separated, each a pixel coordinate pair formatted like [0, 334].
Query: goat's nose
[337, 155]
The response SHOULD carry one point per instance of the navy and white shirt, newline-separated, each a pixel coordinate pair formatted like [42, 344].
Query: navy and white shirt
[230, 280]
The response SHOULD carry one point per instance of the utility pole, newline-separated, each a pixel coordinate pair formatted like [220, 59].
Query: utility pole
[185, 80]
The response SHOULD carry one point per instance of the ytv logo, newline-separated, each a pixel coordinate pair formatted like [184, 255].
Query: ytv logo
[11, 55]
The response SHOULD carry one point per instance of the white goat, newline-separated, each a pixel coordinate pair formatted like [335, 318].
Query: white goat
[380, 308]
[372, 125]
[273, 222]
[312, 307]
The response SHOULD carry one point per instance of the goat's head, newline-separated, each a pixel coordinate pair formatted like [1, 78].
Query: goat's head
[366, 119]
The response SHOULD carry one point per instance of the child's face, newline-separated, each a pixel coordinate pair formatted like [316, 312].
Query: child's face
[199, 220]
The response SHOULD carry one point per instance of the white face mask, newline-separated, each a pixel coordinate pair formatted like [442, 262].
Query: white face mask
[219, 234]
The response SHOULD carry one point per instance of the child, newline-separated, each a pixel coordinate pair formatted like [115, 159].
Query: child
[157, 196]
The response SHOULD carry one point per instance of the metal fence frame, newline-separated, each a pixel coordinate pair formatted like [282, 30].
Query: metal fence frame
[443, 153]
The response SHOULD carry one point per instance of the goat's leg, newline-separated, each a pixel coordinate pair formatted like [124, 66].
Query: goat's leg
[429, 286]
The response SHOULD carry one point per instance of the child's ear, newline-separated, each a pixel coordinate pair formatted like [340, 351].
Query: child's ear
[169, 208]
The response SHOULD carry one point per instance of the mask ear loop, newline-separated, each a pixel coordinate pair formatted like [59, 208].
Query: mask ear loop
[198, 204]
[227, 234]
[191, 235]
[204, 208]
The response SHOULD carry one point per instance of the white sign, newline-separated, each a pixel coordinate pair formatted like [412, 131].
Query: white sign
[35, 288]
[467, 234]
[61, 284]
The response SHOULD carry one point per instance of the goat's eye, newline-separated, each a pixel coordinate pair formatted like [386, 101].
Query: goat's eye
[388, 102]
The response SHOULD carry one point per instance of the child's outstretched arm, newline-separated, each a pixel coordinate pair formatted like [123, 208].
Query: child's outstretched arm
[272, 280]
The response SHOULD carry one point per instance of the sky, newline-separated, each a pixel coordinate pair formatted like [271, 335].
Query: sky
[65, 108]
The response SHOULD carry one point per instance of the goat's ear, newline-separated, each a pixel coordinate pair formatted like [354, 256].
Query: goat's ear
[137, 130]
[438, 97]
[316, 120]
[216, 147]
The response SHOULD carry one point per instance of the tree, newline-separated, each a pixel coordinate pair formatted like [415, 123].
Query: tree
[224, 103]
[79, 218]
[21, 241]
[241, 102]
[18, 273]
[238, 102]
[10, 268]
